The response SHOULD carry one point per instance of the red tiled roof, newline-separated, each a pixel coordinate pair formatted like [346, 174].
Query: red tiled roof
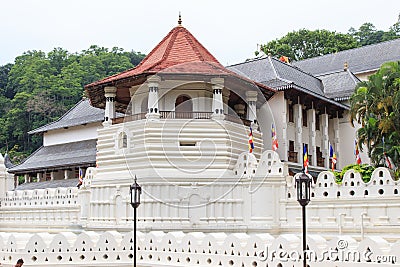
[178, 47]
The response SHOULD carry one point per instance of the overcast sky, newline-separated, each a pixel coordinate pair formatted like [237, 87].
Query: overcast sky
[230, 30]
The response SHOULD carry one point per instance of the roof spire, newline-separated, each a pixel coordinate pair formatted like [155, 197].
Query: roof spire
[346, 66]
[180, 19]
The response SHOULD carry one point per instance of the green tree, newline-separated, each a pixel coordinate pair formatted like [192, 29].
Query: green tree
[302, 44]
[40, 87]
[375, 105]
[4, 70]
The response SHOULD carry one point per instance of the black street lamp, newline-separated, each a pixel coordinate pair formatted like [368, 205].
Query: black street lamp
[136, 190]
[303, 187]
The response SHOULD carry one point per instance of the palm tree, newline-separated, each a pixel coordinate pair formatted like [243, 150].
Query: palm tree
[375, 105]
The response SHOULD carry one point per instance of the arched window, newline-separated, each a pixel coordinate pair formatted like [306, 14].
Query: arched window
[123, 140]
[183, 107]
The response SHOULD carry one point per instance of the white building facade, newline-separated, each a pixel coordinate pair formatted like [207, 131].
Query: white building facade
[207, 200]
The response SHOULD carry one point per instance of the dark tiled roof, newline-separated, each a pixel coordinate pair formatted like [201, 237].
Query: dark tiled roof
[359, 60]
[281, 76]
[274, 73]
[81, 113]
[339, 85]
[60, 156]
[48, 184]
[7, 161]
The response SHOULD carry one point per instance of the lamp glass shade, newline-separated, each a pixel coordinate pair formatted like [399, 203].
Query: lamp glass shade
[136, 191]
[303, 187]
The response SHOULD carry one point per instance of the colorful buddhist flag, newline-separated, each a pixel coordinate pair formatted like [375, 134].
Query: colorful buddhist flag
[331, 152]
[80, 177]
[388, 162]
[275, 144]
[357, 153]
[305, 159]
[332, 156]
[334, 160]
[251, 143]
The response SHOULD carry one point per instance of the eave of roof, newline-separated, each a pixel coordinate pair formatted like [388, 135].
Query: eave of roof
[305, 90]
[80, 114]
[61, 156]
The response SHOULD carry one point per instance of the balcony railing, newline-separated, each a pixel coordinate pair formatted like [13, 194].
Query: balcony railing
[198, 115]
[185, 115]
[135, 117]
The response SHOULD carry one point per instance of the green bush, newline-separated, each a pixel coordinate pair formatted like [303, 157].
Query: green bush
[364, 169]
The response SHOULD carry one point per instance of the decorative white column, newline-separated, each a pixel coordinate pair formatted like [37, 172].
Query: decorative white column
[134, 105]
[65, 174]
[325, 138]
[336, 137]
[51, 176]
[26, 176]
[153, 83]
[251, 98]
[298, 113]
[312, 143]
[39, 176]
[283, 142]
[109, 92]
[218, 104]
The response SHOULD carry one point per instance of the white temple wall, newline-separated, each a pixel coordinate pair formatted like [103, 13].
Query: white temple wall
[169, 249]
[72, 134]
[40, 208]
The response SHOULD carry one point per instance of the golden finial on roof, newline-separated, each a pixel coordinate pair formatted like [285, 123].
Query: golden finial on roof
[180, 19]
[346, 66]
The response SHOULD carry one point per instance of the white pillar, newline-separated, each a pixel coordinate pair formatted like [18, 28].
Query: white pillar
[312, 143]
[298, 113]
[65, 174]
[336, 135]
[283, 142]
[153, 111]
[39, 176]
[135, 106]
[218, 104]
[26, 176]
[109, 113]
[51, 176]
[325, 138]
[251, 99]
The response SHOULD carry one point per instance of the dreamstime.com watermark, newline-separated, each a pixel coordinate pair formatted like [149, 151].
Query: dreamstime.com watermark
[339, 254]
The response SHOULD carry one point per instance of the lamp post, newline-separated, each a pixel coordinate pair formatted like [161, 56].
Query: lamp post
[135, 191]
[303, 187]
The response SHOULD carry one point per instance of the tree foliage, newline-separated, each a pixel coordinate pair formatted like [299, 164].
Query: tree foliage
[375, 105]
[364, 169]
[38, 88]
[302, 44]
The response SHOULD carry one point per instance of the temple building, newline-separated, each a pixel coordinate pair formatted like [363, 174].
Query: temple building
[69, 145]
[196, 136]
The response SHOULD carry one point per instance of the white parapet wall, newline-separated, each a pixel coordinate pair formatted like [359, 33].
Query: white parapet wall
[352, 206]
[40, 208]
[157, 248]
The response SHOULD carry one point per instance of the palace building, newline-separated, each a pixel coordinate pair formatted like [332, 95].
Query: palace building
[215, 192]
